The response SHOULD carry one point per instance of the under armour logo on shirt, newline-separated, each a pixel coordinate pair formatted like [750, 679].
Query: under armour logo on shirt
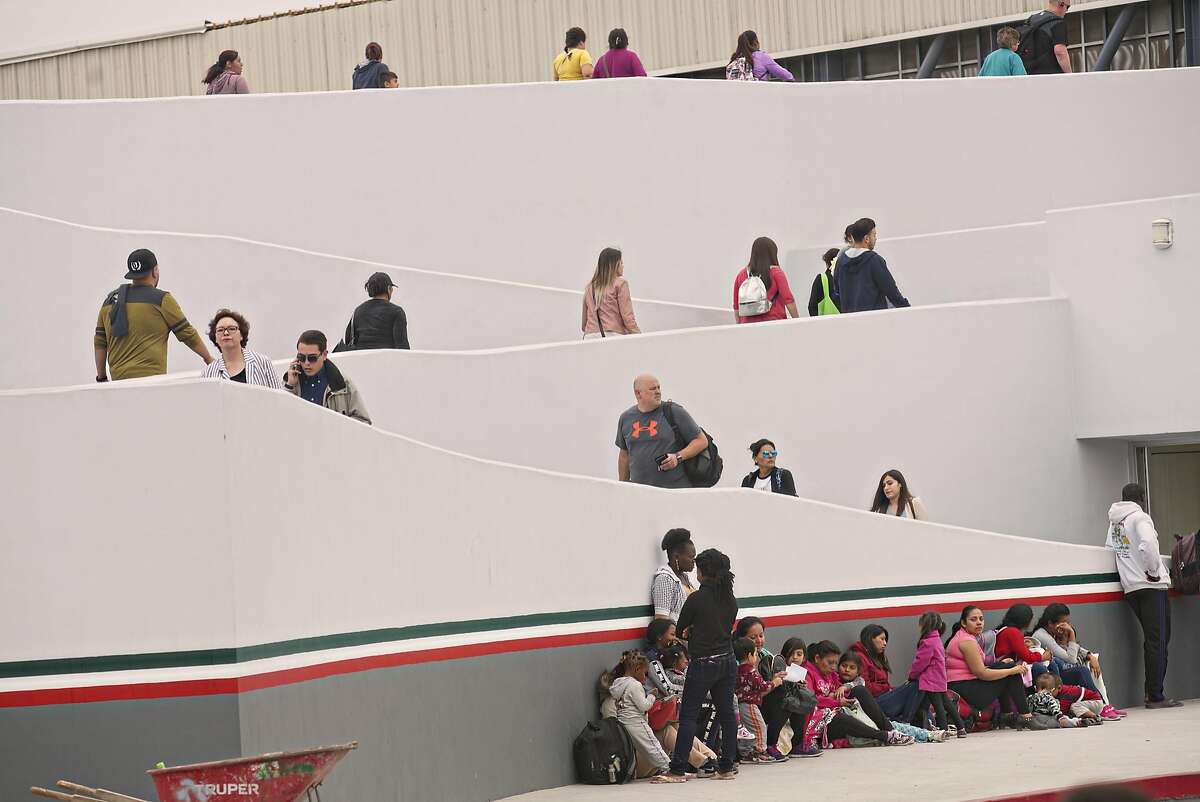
[638, 428]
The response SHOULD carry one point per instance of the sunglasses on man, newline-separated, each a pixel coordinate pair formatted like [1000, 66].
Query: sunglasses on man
[309, 358]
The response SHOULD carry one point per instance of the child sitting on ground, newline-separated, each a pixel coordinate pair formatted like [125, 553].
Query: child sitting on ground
[1076, 700]
[632, 704]
[929, 670]
[1047, 712]
[850, 672]
[750, 690]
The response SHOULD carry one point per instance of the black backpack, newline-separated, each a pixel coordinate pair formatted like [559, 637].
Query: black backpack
[604, 754]
[1035, 49]
[704, 469]
[1185, 567]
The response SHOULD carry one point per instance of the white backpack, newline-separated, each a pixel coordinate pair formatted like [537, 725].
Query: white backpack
[752, 296]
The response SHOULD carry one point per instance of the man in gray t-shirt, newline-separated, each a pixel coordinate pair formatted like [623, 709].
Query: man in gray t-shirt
[644, 438]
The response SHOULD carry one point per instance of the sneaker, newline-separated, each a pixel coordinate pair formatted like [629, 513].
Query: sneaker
[758, 758]
[812, 751]
[951, 731]
[896, 738]
[775, 755]
[1110, 713]
[962, 733]
[709, 769]
[744, 734]
[937, 736]
[1162, 704]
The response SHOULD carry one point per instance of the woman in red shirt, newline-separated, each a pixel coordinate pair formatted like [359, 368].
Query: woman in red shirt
[1010, 637]
[764, 265]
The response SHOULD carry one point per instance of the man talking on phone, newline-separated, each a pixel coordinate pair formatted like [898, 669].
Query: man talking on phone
[313, 377]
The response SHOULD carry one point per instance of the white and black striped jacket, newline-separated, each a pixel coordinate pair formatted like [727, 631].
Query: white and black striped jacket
[259, 370]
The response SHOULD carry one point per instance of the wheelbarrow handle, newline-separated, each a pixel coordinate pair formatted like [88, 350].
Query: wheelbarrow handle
[46, 792]
[98, 793]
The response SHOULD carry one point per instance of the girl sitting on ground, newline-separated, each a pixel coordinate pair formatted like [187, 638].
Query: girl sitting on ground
[793, 655]
[928, 669]
[823, 680]
[660, 634]
[850, 672]
[632, 705]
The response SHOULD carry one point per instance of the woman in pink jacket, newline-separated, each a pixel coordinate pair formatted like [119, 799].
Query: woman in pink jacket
[823, 680]
[929, 670]
[607, 307]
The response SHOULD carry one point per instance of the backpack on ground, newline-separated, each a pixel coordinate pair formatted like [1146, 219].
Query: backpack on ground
[739, 70]
[1185, 567]
[1036, 38]
[704, 469]
[604, 754]
[752, 296]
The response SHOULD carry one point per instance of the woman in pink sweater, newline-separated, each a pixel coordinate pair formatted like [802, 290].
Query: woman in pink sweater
[607, 307]
[929, 670]
[979, 684]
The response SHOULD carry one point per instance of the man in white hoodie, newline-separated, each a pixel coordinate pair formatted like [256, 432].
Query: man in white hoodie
[1134, 542]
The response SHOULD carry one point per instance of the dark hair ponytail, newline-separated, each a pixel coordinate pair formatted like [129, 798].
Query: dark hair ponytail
[618, 39]
[714, 567]
[575, 37]
[747, 43]
[218, 68]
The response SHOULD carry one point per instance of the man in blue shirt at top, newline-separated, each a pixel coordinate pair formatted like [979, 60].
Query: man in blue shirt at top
[861, 279]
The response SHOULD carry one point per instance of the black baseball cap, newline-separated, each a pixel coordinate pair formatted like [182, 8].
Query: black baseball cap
[140, 263]
[378, 283]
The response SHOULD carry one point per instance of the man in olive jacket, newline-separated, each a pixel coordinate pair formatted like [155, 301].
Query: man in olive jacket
[313, 377]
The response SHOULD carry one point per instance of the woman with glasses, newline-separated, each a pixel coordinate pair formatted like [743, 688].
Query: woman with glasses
[767, 476]
[230, 332]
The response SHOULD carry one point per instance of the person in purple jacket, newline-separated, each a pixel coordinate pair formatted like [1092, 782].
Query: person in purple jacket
[619, 61]
[762, 66]
[225, 76]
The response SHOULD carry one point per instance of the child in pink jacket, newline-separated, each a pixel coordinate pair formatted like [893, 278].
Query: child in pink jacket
[929, 670]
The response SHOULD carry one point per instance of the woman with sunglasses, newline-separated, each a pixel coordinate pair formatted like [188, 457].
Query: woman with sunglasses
[768, 477]
[230, 332]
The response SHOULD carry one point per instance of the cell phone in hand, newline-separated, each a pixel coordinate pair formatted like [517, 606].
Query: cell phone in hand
[661, 460]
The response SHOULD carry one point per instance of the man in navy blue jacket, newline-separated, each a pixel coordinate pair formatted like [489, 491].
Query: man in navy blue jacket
[861, 279]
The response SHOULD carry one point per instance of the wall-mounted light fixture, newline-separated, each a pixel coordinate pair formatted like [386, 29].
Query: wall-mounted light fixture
[1164, 233]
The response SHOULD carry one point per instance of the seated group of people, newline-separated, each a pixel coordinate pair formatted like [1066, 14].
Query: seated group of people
[135, 320]
[696, 682]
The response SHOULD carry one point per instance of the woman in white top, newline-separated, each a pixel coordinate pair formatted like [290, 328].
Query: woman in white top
[607, 307]
[892, 497]
[230, 332]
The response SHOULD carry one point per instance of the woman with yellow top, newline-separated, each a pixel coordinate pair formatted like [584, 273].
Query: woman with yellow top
[574, 63]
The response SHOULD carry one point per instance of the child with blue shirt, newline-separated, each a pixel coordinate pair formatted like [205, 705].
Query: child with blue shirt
[1004, 60]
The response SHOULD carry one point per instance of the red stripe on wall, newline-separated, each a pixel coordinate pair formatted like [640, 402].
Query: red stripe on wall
[1169, 786]
[292, 676]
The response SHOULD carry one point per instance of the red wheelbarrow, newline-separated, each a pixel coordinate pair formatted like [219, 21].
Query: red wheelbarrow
[275, 777]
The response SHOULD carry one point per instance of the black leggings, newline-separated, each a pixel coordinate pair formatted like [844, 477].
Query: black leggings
[942, 704]
[845, 725]
[980, 693]
[776, 716]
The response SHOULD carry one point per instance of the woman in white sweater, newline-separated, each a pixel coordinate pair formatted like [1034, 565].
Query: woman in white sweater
[892, 497]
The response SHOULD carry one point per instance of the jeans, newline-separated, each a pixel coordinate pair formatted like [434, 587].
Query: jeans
[1070, 673]
[715, 676]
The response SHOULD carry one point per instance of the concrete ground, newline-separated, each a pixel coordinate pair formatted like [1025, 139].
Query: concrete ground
[981, 766]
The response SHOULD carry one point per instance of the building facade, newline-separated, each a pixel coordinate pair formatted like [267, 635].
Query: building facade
[432, 42]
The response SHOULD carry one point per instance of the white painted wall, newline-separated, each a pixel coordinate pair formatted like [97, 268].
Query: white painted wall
[218, 503]
[682, 175]
[1132, 313]
[282, 291]
[972, 402]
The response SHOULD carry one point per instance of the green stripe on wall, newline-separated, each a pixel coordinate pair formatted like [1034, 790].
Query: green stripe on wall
[212, 657]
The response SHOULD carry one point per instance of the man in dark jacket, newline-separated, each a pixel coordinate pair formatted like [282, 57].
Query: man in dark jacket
[861, 279]
[377, 322]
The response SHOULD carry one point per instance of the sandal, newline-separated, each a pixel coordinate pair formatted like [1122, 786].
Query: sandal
[667, 778]
[725, 776]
